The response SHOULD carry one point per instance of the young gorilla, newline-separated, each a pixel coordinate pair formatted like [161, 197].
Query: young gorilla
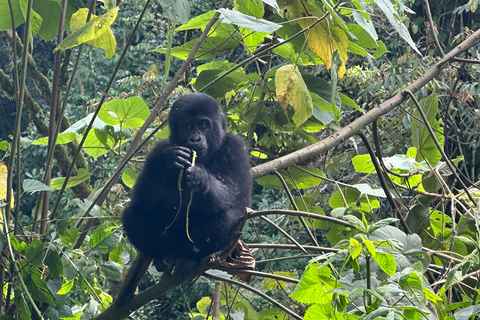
[155, 220]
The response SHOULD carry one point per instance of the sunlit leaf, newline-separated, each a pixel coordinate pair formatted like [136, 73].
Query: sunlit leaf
[82, 175]
[127, 113]
[3, 186]
[95, 32]
[292, 91]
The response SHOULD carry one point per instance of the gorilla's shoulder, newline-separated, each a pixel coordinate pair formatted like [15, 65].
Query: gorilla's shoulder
[233, 142]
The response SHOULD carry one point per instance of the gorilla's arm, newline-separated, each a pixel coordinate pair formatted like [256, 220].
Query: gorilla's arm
[223, 182]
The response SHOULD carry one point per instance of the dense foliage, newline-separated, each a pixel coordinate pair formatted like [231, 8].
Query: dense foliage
[360, 117]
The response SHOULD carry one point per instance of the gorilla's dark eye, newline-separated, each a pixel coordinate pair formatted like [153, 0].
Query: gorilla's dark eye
[203, 124]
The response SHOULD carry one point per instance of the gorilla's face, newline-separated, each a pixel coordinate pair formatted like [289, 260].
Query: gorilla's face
[195, 133]
[197, 122]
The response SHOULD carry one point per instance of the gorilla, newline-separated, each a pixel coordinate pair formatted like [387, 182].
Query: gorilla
[184, 212]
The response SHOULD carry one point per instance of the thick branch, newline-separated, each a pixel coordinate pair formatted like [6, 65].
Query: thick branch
[356, 126]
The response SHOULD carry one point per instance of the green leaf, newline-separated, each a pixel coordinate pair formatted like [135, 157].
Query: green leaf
[127, 113]
[363, 19]
[413, 288]
[32, 186]
[248, 22]
[349, 102]
[62, 138]
[199, 22]
[98, 143]
[50, 11]
[352, 198]
[301, 179]
[421, 139]
[82, 175]
[4, 145]
[103, 241]
[363, 163]
[66, 287]
[315, 284]
[204, 304]
[35, 253]
[36, 285]
[95, 32]
[129, 177]
[5, 19]
[354, 221]
[393, 17]
[112, 270]
[365, 188]
[176, 10]
[68, 236]
[236, 80]
[211, 48]
[250, 7]
[292, 91]
[54, 264]
[365, 44]
[386, 262]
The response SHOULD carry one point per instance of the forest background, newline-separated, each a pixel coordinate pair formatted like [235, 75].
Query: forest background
[362, 122]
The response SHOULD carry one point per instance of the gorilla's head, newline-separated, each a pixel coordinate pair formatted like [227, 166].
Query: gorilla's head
[197, 122]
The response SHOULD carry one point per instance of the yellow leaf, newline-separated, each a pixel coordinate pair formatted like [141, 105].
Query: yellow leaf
[325, 37]
[3, 186]
[292, 91]
[95, 32]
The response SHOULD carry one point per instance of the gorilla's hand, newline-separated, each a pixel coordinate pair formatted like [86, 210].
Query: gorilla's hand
[178, 156]
[197, 178]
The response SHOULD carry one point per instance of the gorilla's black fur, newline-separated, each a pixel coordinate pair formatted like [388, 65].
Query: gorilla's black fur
[155, 220]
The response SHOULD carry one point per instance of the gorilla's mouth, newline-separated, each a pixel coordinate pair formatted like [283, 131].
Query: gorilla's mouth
[200, 151]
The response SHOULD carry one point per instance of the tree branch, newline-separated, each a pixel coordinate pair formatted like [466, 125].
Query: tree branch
[356, 126]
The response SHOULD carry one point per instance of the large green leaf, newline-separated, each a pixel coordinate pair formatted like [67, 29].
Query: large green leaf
[5, 19]
[50, 11]
[421, 138]
[98, 143]
[315, 284]
[127, 113]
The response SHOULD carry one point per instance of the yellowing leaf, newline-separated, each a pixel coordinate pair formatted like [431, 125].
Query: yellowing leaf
[95, 32]
[3, 186]
[324, 38]
[292, 91]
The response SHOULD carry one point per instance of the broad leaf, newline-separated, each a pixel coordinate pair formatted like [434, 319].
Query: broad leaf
[62, 138]
[245, 21]
[31, 186]
[387, 7]
[127, 113]
[421, 138]
[82, 175]
[176, 10]
[95, 32]
[292, 91]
